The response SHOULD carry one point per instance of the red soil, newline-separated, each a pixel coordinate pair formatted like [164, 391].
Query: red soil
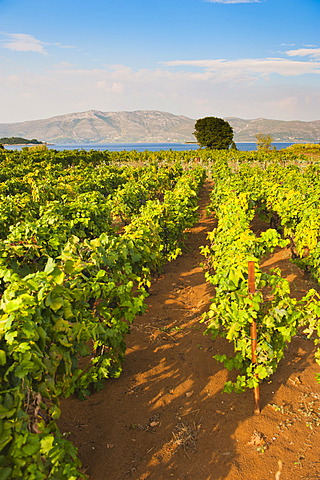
[167, 416]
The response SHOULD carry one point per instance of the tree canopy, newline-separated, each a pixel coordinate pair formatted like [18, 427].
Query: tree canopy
[264, 141]
[214, 132]
[18, 141]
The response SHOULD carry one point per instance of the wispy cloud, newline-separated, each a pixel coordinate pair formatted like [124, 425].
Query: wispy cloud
[252, 67]
[61, 46]
[188, 91]
[22, 42]
[305, 52]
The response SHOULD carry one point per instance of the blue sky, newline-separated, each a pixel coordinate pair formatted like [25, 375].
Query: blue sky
[249, 59]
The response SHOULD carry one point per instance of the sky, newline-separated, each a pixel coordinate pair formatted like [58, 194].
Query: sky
[223, 58]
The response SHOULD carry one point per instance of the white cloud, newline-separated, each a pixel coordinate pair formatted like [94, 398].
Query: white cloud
[63, 65]
[248, 66]
[305, 52]
[22, 42]
[218, 87]
[62, 46]
[115, 87]
[14, 78]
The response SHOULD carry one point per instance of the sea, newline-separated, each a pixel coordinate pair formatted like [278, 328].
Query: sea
[141, 147]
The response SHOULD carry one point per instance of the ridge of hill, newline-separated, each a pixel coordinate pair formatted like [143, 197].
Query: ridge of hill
[281, 130]
[150, 126]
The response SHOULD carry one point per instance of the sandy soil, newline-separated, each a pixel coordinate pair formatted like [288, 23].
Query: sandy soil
[167, 416]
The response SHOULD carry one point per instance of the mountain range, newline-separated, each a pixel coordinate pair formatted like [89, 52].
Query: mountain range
[150, 126]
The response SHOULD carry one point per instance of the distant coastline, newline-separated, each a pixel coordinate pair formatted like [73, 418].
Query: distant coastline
[150, 126]
[153, 147]
[25, 144]
[20, 140]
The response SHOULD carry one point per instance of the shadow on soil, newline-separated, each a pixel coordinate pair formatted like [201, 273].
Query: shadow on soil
[167, 416]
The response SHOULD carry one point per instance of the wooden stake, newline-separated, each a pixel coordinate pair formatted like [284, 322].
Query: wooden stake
[253, 333]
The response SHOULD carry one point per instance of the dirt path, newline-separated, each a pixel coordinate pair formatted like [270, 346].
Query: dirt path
[167, 417]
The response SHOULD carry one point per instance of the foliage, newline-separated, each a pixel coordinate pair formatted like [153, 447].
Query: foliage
[308, 150]
[236, 198]
[304, 148]
[36, 148]
[213, 132]
[71, 285]
[18, 141]
[81, 235]
[264, 142]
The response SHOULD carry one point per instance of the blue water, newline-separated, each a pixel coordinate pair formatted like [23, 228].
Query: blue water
[141, 147]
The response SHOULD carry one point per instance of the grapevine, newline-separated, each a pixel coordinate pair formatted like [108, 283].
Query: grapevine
[71, 286]
[236, 198]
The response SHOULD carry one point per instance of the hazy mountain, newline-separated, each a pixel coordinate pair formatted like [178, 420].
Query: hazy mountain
[280, 130]
[148, 126]
[106, 127]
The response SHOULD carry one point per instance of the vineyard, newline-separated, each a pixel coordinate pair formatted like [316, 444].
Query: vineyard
[86, 240]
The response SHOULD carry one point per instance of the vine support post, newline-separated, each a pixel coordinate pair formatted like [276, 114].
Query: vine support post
[253, 332]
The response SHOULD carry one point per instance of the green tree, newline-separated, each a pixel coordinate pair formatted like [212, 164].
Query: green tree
[213, 132]
[264, 142]
[18, 141]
